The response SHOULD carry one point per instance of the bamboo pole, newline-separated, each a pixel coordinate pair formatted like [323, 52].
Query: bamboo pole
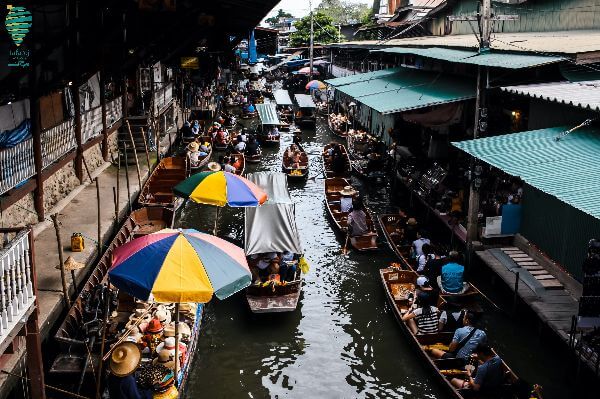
[63, 275]
[137, 164]
[127, 181]
[146, 149]
[103, 342]
[99, 218]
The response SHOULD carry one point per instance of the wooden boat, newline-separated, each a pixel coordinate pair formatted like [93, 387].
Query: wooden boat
[222, 146]
[391, 225]
[240, 171]
[328, 162]
[397, 282]
[366, 242]
[255, 158]
[272, 298]
[337, 132]
[288, 167]
[72, 332]
[202, 162]
[361, 165]
[158, 189]
[268, 141]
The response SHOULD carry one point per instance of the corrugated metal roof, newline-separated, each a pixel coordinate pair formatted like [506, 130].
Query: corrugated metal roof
[267, 114]
[282, 97]
[305, 101]
[410, 89]
[557, 42]
[567, 169]
[584, 94]
[498, 60]
[360, 77]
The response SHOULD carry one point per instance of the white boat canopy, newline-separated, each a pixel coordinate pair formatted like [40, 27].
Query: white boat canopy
[282, 97]
[268, 114]
[305, 101]
[272, 226]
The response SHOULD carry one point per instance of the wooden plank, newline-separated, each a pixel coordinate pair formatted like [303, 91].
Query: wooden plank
[527, 263]
[530, 268]
[537, 272]
[551, 284]
[545, 277]
[521, 258]
[509, 249]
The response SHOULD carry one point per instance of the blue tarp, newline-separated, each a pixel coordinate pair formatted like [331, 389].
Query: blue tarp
[252, 56]
[10, 138]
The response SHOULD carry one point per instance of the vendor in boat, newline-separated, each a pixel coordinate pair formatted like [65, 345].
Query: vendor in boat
[451, 279]
[263, 266]
[464, 341]
[296, 159]
[288, 266]
[357, 220]
[423, 319]
[244, 135]
[240, 145]
[186, 130]
[221, 136]
[124, 361]
[195, 128]
[347, 196]
[228, 165]
[489, 375]
[273, 133]
[194, 154]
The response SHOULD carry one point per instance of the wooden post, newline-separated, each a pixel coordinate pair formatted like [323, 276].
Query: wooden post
[78, 138]
[146, 149]
[63, 275]
[118, 183]
[127, 180]
[99, 218]
[516, 296]
[105, 148]
[37, 156]
[137, 164]
[116, 203]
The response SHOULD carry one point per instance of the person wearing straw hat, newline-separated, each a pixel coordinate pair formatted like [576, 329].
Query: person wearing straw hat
[124, 361]
[347, 194]
[214, 167]
[194, 154]
[166, 358]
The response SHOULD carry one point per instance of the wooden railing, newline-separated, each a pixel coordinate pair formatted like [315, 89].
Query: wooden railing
[17, 298]
[91, 124]
[114, 111]
[162, 97]
[57, 142]
[16, 165]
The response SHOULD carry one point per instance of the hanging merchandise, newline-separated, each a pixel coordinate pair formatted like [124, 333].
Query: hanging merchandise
[69, 104]
[89, 93]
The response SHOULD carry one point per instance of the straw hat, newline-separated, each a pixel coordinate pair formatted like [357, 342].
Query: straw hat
[124, 359]
[213, 166]
[184, 330]
[165, 357]
[154, 326]
[163, 315]
[193, 146]
[72, 264]
[348, 191]
[169, 345]
[411, 222]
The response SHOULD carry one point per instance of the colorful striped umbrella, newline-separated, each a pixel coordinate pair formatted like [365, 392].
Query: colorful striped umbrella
[178, 266]
[315, 85]
[220, 189]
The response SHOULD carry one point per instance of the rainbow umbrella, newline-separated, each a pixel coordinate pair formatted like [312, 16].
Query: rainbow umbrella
[315, 85]
[178, 266]
[220, 189]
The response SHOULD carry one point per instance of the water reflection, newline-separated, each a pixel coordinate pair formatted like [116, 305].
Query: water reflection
[341, 342]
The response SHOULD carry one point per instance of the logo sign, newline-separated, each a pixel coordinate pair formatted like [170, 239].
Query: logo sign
[190, 63]
[18, 23]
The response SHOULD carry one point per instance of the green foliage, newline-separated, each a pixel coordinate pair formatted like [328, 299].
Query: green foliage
[345, 12]
[324, 31]
[275, 18]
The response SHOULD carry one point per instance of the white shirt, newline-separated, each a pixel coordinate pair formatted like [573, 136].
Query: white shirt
[418, 245]
[229, 168]
[241, 146]
[345, 204]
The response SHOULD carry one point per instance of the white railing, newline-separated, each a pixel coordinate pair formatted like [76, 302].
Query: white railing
[114, 111]
[57, 142]
[16, 288]
[91, 124]
[163, 97]
[16, 165]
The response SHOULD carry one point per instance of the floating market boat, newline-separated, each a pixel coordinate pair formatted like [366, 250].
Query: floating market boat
[254, 158]
[343, 133]
[268, 120]
[398, 285]
[289, 167]
[272, 228]
[365, 242]
[202, 161]
[157, 191]
[366, 164]
[328, 165]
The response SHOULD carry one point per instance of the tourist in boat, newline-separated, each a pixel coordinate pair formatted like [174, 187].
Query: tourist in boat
[451, 317]
[124, 361]
[252, 148]
[423, 319]
[433, 267]
[244, 135]
[451, 279]
[357, 220]
[194, 154]
[347, 195]
[489, 375]
[251, 109]
[195, 128]
[289, 153]
[288, 266]
[417, 245]
[240, 146]
[296, 158]
[427, 255]
[273, 133]
[228, 165]
[464, 341]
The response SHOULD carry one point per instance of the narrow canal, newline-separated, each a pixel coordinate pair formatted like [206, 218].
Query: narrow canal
[342, 341]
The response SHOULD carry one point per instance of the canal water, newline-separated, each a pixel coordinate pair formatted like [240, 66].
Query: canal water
[342, 341]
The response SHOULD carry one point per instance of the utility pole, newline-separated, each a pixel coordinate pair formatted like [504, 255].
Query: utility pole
[312, 40]
[484, 18]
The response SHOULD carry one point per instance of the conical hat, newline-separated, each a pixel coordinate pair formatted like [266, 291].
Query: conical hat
[72, 264]
[124, 359]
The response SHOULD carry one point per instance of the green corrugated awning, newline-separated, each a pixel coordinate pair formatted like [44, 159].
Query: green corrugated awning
[490, 59]
[268, 114]
[567, 169]
[361, 77]
[409, 89]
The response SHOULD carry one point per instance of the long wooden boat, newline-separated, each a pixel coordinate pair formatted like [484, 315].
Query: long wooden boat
[71, 332]
[158, 189]
[328, 162]
[366, 242]
[396, 283]
[255, 158]
[221, 146]
[288, 167]
[337, 132]
[270, 298]
[357, 148]
[268, 141]
[391, 225]
[202, 162]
